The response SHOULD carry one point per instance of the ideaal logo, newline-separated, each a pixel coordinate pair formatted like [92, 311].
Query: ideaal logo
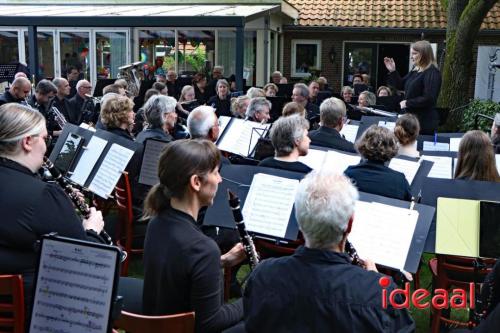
[440, 300]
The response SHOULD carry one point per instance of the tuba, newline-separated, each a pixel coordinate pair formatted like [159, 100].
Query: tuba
[133, 74]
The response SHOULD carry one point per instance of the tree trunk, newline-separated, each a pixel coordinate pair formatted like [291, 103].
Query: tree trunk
[464, 21]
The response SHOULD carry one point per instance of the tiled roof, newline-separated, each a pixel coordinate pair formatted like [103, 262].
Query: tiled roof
[405, 14]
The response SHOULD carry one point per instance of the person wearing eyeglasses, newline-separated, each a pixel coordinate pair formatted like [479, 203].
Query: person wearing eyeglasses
[332, 117]
[80, 103]
[18, 92]
[30, 207]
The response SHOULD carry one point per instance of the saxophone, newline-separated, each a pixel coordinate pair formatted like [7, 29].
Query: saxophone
[132, 74]
[246, 239]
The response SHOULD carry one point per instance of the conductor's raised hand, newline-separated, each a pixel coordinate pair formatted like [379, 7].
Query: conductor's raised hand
[94, 221]
[390, 64]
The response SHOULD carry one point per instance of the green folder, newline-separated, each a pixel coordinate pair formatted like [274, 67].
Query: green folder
[457, 227]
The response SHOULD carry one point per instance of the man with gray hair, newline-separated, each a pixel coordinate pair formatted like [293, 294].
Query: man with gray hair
[81, 106]
[61, 101]
[332, 117]
[300, 95]
[161, 118]
[318, 289]
[259, 110]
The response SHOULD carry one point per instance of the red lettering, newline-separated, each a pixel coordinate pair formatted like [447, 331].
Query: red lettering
[384, 298]
[419, 295]
[472, 295]
[384, 282]
[459, 299]
[440, 299]
[405, 292]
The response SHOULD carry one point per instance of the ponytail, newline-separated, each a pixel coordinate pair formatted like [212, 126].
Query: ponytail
[156, 200]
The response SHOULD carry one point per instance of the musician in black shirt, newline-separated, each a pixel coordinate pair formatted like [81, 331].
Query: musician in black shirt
[182, 265]
[41, 101]
[30, 207]
[421, 85]
[221, 102]
[290, 141]
[18, 92]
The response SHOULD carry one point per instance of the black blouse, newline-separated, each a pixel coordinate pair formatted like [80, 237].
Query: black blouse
[182, 273]
[421, 94]
[222, 106]
[297, 166]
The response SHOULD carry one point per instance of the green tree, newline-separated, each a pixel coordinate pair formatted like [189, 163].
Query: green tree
[464, 21]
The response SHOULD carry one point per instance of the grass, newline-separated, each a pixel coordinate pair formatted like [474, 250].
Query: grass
[421, 316]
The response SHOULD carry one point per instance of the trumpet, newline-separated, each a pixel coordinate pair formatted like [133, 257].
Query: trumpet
[58, 116]
[96, 100]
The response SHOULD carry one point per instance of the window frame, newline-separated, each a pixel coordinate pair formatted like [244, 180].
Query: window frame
[317, 65]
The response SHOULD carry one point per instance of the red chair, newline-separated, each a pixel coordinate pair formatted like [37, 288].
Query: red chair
[448, 271]
[269, 249]
[12, 312]
[125, 235]
[136, 323]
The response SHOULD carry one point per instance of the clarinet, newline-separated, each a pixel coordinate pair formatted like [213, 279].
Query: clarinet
[72, 193]
[351, 251]
[246, 239]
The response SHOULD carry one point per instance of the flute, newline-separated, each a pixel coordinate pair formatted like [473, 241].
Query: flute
[246, 239]
[72, 193]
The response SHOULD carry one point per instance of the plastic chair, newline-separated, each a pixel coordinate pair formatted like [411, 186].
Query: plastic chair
[136, 323]
[448, 271]
[123, 198]
[11, 310]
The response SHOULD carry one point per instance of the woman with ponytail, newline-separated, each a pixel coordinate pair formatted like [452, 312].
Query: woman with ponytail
[182, 265]
[406, 130]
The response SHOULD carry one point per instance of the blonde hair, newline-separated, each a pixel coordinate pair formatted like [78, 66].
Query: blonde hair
[115, 109]
[426, 59]
[237, 103]
[184, 91]
[16, 122]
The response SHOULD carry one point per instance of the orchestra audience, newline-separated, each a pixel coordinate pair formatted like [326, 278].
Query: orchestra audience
[318, 289]
[259, 110]
[290, 141]
[378, 146]
[406, 131]
[221, 101]
[332, 118]
[182, 265]
[476, 158]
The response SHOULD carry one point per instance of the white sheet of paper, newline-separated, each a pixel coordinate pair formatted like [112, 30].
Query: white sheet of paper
[89, 158]
[454, 144]
[387, 124]
[441, 168]
[408, 168]
[350, 132]
[223, 121]
[314, 158]
[383, 233]
[339, 162]
[111, 169]
[438, 146]
[269, 204]
[238, 135]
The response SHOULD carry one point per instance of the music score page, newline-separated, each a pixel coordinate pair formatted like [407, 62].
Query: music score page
[269, 204]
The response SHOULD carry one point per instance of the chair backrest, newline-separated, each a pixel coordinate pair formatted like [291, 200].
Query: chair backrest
[136, 323]
[460, 271]
[12, 303]
[268, 249]
[123, 194]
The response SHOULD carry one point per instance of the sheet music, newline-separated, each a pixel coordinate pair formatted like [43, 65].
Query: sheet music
[223, 121]
[339, 162]
[89, 158]
[387, 124]
[441, 168]
[350, 132]
[408, 168]
[111, 169]
[150, 159]
[269, 204]
[74, 288]
[236, 140]
[383, 233]
[438, 146]
[454, 144]
[314, 158]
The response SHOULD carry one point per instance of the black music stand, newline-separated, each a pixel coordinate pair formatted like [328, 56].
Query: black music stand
[8, 71]
[99, 86]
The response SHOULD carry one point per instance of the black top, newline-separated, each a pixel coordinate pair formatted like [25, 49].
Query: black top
[496, 143]
[81, 110]
[31, 208]
[153, 133]
[174, 89]
[318, 291]
[374, 177]
[72, 91]
[182, 273]
[201, 97]
[312, 111]
[421, 94]
[331, 138]
[7, 97]
[222, 106]
[297, 166]
[62, 105]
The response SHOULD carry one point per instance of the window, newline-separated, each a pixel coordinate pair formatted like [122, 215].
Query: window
[196, 50]
[8, 45]
[157, 51]
[111, 53]
[74, 51]
[306, 57]
[45, 42]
